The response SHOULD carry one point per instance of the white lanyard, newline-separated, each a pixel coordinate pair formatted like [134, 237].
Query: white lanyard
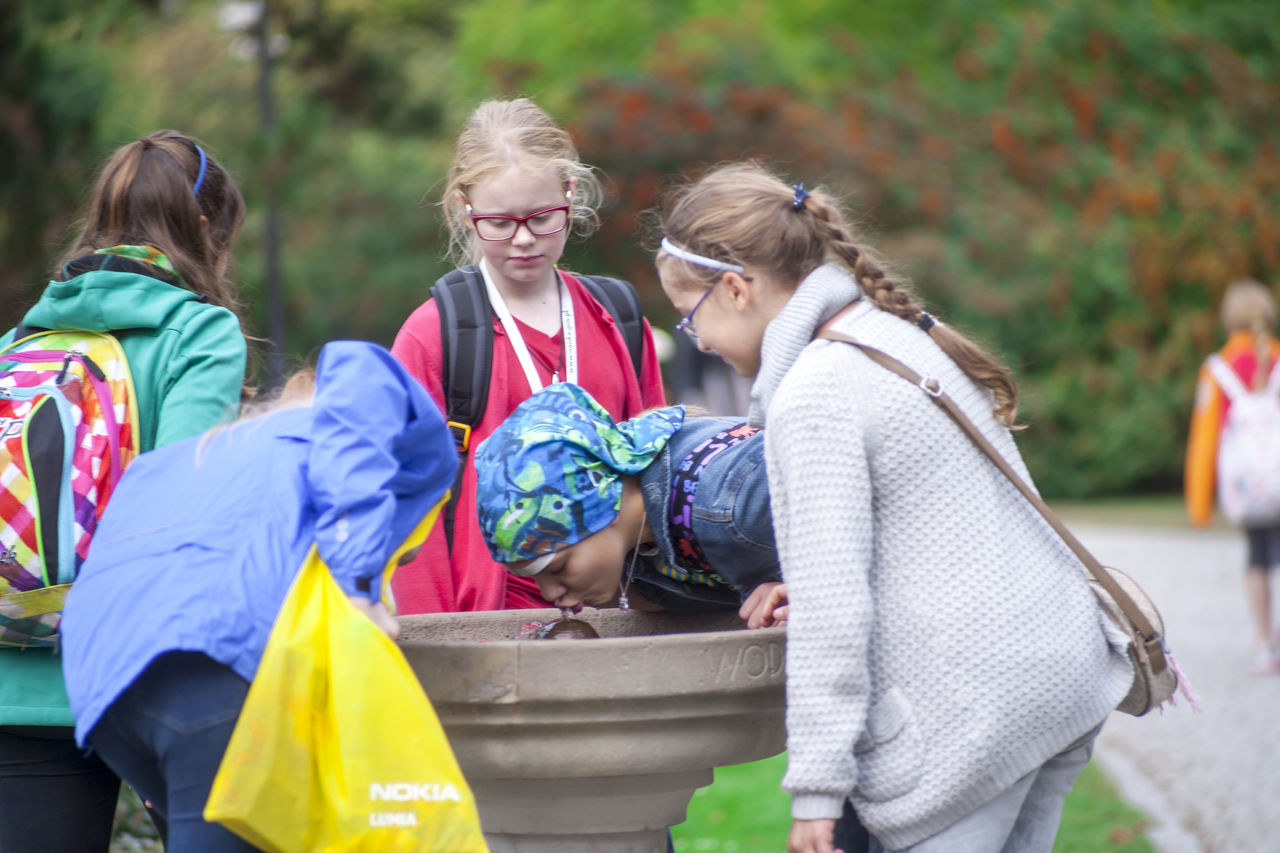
[568, 333]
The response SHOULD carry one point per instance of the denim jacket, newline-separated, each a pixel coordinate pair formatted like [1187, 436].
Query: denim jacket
[731, 522]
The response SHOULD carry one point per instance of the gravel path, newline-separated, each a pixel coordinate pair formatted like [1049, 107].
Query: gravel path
[1210, 780]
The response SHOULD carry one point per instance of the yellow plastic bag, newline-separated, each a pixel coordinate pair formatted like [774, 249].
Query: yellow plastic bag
[337, 747]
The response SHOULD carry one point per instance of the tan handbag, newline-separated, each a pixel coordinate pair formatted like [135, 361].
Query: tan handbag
[1155, 674]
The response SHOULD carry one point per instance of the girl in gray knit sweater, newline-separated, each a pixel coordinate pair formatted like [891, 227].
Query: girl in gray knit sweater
[947, 666]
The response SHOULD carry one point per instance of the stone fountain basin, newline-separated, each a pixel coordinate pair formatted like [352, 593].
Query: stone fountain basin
[656, 692]
[597, 744]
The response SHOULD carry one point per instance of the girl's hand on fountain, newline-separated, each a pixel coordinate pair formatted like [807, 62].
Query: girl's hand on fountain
[766, 606]
[378, 613]
[812, 836]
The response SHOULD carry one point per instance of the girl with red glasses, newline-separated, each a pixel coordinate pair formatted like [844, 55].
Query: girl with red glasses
[514, 194]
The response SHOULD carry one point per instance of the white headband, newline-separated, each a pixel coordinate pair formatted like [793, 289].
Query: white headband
[701, 260]
[532, 567]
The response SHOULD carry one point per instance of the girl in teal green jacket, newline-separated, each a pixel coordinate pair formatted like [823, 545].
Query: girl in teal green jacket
[148, 266]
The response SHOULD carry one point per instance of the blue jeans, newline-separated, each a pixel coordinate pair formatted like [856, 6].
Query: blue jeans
[165, 736]
[1024, 819]
[850, 835]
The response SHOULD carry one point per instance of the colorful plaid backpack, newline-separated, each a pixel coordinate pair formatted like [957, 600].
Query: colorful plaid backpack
[68, 428]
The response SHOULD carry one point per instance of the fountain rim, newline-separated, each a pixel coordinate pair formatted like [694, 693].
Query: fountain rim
[607, 614]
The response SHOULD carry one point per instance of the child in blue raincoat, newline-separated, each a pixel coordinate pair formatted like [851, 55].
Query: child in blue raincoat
[166, 624]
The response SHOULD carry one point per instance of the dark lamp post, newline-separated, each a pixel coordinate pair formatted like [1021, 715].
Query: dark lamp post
[252, 19]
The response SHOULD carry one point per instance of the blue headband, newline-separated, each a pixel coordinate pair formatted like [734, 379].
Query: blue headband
[204, 165]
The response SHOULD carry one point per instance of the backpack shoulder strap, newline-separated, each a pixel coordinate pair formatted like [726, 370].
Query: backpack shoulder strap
[466, 349]
[16, 335]
[1225, 377]
[466, 353]
[620, 300]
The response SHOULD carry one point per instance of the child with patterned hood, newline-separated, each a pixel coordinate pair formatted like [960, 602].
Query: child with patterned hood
[660, 512]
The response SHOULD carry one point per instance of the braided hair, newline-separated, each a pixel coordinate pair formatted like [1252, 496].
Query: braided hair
[741, 213]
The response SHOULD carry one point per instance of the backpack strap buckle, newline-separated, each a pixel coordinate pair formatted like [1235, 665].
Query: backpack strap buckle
[461, 435]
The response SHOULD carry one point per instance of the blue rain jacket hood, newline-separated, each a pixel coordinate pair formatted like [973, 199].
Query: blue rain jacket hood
[203, 538]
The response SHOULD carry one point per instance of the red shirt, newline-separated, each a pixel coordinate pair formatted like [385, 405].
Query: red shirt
[468, 579]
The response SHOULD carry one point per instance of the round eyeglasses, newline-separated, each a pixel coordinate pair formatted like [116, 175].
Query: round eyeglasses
[542, 223]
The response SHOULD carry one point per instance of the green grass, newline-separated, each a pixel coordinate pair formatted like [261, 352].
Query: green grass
[1096, 819]
[745, 811]
[134, 832]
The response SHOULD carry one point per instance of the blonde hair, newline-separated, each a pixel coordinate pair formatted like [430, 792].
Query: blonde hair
[144, 195]
[299, 390]
[502, 133]
[742, 213]
[1248, 306]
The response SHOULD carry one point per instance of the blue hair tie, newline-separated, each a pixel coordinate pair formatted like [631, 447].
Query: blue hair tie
[797, 202]
[204, 166]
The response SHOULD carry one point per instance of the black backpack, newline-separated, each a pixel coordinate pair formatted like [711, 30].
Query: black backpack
[466, 349]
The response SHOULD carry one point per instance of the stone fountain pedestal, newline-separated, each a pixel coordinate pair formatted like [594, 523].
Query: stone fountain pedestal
[597, 745]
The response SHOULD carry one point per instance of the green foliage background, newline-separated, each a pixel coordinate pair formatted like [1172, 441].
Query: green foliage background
[1072, 181]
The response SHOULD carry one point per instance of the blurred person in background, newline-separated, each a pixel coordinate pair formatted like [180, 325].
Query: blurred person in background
[1244, 364]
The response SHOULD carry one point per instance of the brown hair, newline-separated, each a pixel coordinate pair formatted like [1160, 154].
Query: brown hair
[499, 134]
[144, 195]
[1248, 306]
[743, 214]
